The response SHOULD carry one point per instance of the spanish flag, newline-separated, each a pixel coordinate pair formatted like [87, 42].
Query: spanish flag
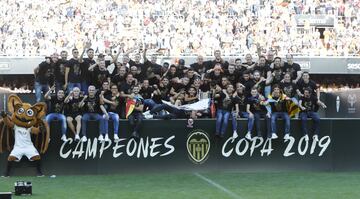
[291, 107]
[130, 105]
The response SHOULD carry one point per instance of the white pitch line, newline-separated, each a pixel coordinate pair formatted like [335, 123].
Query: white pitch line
[232, 194]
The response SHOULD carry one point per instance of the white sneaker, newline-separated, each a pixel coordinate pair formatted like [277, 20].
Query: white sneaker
[274, 136]
[77, 137]
[63, 138]
[316, 138]
[84, 139]
[101, 138]
[107, 138]
[149, 116]
[286, 137]
[306, 137]
[248, 136]
[235, 135]
[146, 113]
[116, 137]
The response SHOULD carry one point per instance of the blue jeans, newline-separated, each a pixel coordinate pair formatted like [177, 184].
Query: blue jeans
[71, 86]
[115, 118]
[283, 115]
[57, 116]
[222, 119]
[149, 103]
[92, 116]
[256, 120]
[315, 117]
[234, 119]
[84, 87]
[173, 112]
[40, 88]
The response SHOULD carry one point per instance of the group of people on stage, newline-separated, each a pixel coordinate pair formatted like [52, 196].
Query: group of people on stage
[94, 88]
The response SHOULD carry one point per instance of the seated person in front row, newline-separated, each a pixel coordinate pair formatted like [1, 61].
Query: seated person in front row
[74, 112]
[56, 110]
[112, 106]
[93, 109]
[277, 106]
[309, 105]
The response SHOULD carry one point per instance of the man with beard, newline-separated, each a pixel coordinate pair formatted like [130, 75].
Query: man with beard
[85, 64]
[218, 60]
[120, 77]
[42, 73]
[59, 71]
[73, 72]
[306, 82]
[289, 88]
[99, 73]
[200, 66]
[293, 68]
[156, 68]
[262, 67]
[309, 106]
[278, 109]
[56, 110]
[232, 74]
[249, 64]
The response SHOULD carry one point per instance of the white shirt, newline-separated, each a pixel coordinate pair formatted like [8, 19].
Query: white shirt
[22, 137]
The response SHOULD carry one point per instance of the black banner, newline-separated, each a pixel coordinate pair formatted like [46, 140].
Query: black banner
[170, 145]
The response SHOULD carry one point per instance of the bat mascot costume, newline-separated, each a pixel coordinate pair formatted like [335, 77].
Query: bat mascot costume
[23, 132]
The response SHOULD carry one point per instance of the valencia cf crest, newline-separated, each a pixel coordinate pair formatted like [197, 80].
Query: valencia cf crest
[198, 146]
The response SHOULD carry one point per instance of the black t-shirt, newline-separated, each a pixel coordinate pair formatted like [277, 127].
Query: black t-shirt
[73, 107]
[279, 75]
[224, 64]
[289, 88]
[75, 71]
[292, 69]
[255, 105]
[99, 76]
[216, 79]
[301, 85]
[241, 101]
[146, 92]
[44, 73]
[248, 86]
[126, 88]
[59, 71]
[118, 80]
[113, 108]
[56, 105]
[85, 73]
[233, 78]
[156, 68]
[278, 106]
[262, 69]
[200, 68]
[92, 105]
[164, 94]
[225, 103]
[310, 104]
[179, 87]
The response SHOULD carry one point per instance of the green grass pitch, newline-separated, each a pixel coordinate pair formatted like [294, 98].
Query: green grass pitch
[217, 185]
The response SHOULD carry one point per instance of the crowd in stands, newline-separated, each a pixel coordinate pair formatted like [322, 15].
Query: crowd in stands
[181, 27]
